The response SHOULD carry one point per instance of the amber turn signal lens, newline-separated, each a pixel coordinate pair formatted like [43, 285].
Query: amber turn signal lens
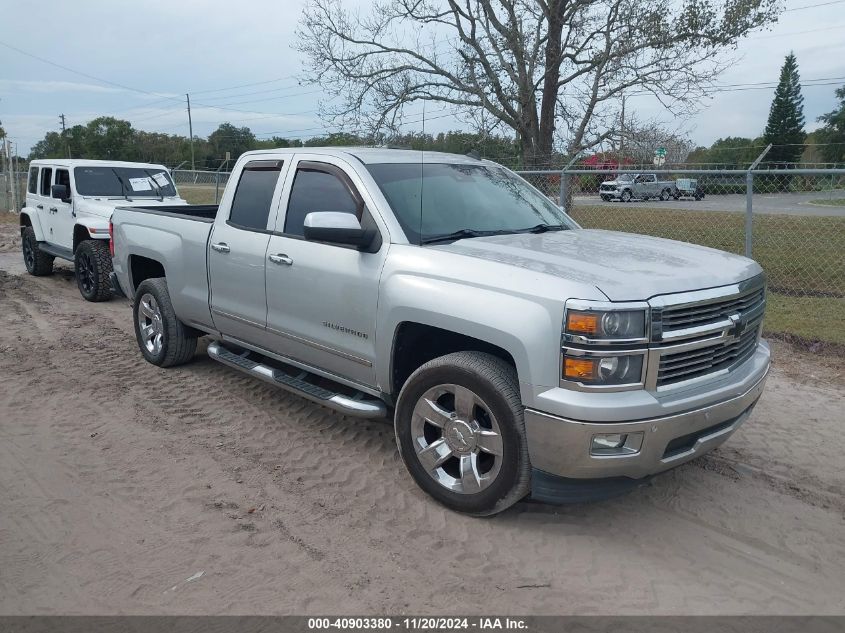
[580, 368]
[582, 322]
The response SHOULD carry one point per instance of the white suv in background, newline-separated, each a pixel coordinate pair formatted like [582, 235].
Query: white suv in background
[68, 207]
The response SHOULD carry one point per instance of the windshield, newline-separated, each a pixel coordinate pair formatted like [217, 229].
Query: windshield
[432, 200]
[136, 182]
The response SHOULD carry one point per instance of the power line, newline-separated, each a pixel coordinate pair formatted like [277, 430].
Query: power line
[82, 74]
[813, 6]
[257, 83]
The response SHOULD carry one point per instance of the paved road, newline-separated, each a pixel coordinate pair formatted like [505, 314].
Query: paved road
[777, 204]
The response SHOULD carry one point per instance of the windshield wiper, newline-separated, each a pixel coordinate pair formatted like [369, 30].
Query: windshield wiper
[460, 235]
[155, 184]
[543, 228]
[122, 185]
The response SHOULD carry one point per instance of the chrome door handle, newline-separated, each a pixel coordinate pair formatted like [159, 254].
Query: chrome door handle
[280, 259]
[222, 247]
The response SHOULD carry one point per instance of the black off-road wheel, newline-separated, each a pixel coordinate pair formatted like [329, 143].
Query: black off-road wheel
[461, 434]
[93, 266]
[37, 262]
[162, 338]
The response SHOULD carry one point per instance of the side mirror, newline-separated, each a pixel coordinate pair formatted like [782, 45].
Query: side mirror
[60, 192]
[336, 227]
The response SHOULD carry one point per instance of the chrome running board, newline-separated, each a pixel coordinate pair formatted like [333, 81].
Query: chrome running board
[358, 405]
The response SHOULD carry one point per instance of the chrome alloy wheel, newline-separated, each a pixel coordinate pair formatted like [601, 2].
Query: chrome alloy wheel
[457, 439]
[150, 324]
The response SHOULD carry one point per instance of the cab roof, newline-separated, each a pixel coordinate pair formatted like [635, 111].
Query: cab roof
[79, 162]
[376, 155]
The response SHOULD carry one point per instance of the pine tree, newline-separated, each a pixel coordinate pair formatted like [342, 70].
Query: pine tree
[785, 128]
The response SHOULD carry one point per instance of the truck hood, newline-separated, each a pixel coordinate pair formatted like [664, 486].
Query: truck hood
[623, 266]
[104, 207]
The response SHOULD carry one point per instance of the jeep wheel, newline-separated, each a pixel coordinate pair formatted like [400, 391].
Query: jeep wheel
[163, 339]
[93, 265]
[626, 196]
[460, 431]
[664, 195]
[37, 262]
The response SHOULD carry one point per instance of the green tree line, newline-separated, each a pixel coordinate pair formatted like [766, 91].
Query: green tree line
[108, 138]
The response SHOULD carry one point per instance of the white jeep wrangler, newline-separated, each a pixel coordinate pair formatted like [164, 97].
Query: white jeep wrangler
[68, 208]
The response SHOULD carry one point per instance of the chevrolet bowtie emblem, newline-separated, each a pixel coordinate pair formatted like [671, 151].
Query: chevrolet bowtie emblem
[738, 325]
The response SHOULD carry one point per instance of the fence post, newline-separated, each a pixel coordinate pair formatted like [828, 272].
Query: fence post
[564, 184]
[749, 201]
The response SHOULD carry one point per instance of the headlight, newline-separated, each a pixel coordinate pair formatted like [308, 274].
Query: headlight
[610, 324]
[603, 370]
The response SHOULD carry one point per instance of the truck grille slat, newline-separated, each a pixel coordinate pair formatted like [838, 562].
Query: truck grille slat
[683, 366]
[712, 312]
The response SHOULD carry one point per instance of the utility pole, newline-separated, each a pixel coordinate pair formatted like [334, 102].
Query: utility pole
[64, 134]
[190, 131]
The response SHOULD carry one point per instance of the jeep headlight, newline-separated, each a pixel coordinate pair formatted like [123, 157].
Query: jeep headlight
[606, 324]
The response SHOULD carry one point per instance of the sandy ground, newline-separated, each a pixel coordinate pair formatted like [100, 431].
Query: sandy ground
[128, 489]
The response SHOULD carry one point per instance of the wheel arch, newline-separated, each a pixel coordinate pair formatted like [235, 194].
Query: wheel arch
[142, 268]
[28, 218]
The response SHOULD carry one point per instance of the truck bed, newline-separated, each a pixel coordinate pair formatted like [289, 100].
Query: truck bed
[199, 212]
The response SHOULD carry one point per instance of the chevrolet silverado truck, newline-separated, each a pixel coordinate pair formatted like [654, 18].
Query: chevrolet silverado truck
[68, 206]
[626, 187]
[516, 353]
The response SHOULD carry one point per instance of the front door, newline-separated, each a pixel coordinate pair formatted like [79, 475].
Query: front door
[322, 298]
[238, 250]
[62, 212]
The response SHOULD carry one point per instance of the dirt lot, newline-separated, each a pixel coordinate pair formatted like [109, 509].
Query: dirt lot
[125, 488]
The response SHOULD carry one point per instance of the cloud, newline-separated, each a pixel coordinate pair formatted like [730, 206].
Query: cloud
[51, 86]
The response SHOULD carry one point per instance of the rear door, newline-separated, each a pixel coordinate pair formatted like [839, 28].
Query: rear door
[62, 212]
[237, 250]
[44, 204]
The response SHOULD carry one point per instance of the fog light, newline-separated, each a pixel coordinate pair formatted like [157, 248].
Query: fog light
[616, 443]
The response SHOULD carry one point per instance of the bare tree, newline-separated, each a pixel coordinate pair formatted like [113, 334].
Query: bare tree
[550, 70]
[642, 137]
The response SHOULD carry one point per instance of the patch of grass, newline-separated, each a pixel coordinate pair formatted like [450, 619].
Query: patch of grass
[803, 256]
[198, 194]
[829, 202]
[810, 318]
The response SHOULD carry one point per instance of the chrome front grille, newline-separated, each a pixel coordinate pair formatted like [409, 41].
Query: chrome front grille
[687, 316]
[688, 364]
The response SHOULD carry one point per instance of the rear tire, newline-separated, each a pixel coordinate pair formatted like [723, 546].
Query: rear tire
[664, 195]
[38, 263]
[93, 266]
[460, 431]
[162, 338]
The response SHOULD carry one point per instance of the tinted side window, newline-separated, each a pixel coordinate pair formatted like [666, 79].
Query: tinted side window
[63, 178]
[316, 191]
[32, 186]
[46, 178]
[251, 204]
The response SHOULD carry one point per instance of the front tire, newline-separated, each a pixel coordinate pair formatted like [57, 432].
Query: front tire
[37, 262]
[460, 431]
[93, 266]
[162, 338]
[664, 195]
[626, 196]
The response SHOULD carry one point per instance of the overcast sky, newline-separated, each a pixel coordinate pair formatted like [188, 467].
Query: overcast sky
[169, 48]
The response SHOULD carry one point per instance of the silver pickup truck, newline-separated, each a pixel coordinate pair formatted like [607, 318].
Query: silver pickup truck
[516, 353]
[626, 187]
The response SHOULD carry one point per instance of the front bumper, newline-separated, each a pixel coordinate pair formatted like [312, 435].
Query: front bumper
[561, 447]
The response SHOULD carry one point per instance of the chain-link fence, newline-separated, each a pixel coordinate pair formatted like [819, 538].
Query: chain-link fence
[7, 200]
[200, 187]
[791, 221]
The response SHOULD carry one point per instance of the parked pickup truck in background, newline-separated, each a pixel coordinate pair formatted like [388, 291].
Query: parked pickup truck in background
[641, 186]
[517, 353]
[68, 206]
